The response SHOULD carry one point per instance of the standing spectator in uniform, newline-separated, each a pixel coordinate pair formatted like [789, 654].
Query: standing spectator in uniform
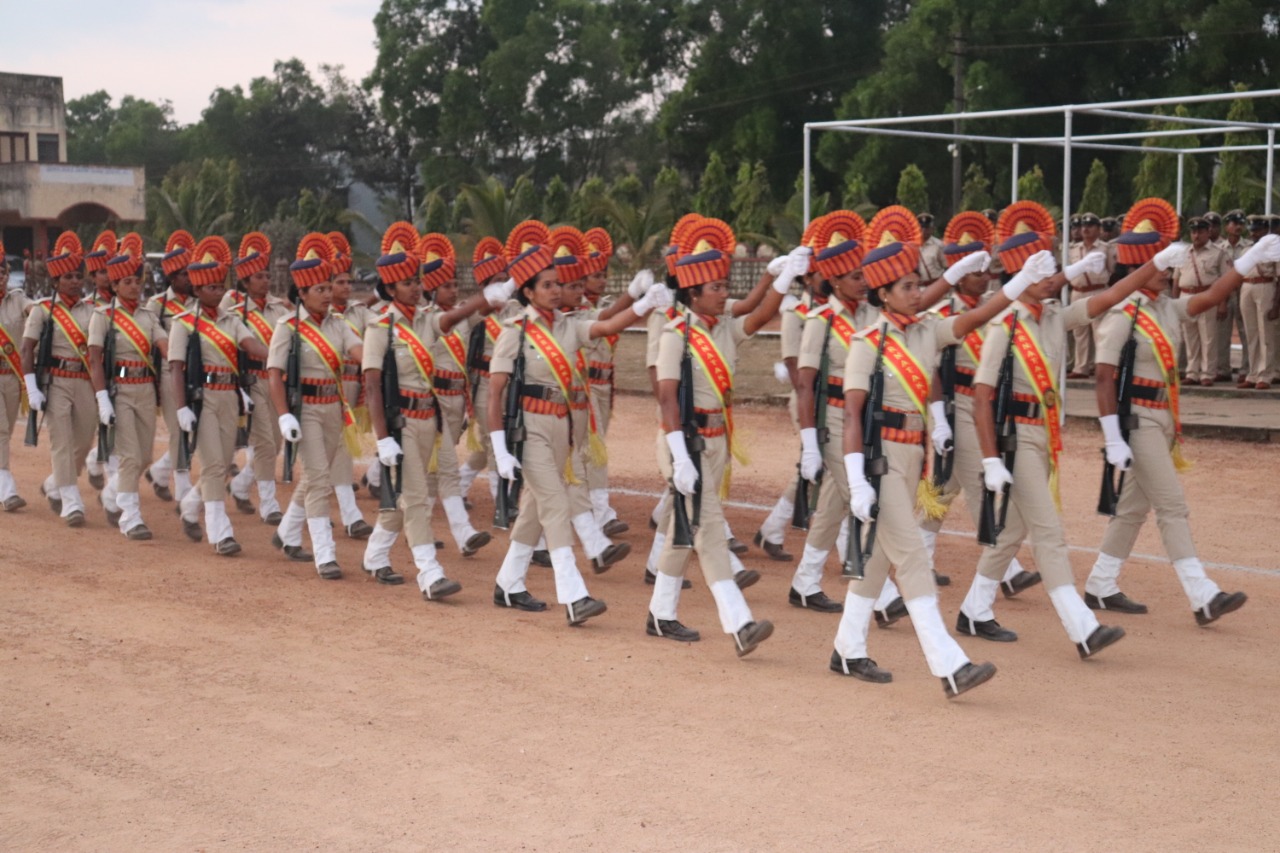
[1085, 284]
[1258, 303]
[1205, 265]
[932, 262]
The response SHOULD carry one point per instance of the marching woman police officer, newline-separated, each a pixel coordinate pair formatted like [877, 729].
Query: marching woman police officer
[221, 334]
[176, 299]
[1039, 345]
[357, 316]
[545, 339]
[13, 395]
[487, 265]
[408, 331]
[138, 336]
[100, 253]
[1152, 452]
[325, 419]
[70, 408]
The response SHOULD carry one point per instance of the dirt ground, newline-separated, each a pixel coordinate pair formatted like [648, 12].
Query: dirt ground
[156, 697]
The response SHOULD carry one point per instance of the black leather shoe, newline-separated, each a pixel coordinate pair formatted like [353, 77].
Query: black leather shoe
[243, 504]
[192, 530]
[615, 553]
[138, 533]
[650, 578]
[329, 572]
[863, 669]
[539, 558]
[386, 575]
[1019, 582]
[13, 503]
[113, 518]
[774, 552]
[1222, 604]
[746, 578]
[475, 542]
[1119, 602]
[227, 548]
[615, 527]
[670, 629]
[653, 525]
[737, 547]
[517, 600]
[442, 588]
[273, 518]
[818, 601]
[359, 529]
[162, 491]
[1102, 636]
[751, 635]
[895, 611]
[583, 609]
[987, 630]
[967, 677]
[55, 503]
[97, 481]
[75, 519]
[941, 580]
[293, 552]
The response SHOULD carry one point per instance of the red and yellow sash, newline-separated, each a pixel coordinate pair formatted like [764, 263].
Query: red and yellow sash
[1167, 359]
[719, 374]
[457, 348]
[1042, 379]
[550, 349]
[492, 328]
[840, 325]
[421, 354]
[11, 355]
[260, 325]
[125, 323]
[318, 342]
[911, 376]
[221, 340]
[70, 330]
[972, 342]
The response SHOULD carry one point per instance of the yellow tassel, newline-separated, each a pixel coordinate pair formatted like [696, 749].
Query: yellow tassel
[473, 440]
[725, 480]
[363, 422]
[928, 499]
[24, 409]
[1053, 488]
[569, 476]
[597, 453]
[433, 465]
[351, 436]
[1180, 461]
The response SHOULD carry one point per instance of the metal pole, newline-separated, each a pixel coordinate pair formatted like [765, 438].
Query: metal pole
[1271, 169]
[1178, 202]
[1066, 241]
[1013, 191]
[806, 175]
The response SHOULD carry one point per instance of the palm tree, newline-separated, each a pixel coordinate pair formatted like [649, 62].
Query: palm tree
[493, 210]
[639, 231]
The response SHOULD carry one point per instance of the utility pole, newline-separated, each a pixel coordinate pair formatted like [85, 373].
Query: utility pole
[958, 104]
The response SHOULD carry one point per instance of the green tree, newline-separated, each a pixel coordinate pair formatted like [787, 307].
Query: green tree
[752, 201]
[1236, 183]
[976, 192]
[628, 190]
[671, 185]
[715, 190]
[492, 210]
[639, 231]
[197, 198]
[555, 202]
[913, 190]
[587, 199]
[1031, 187]
[88, 123]
[433, 213]
[856, 195]
[1096, 198]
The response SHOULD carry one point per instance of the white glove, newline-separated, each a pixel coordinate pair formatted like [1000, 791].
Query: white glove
[657, 296]
[1118, 452]
[943, 440]
[780, 373]
[1174, 255]
[1266, 250]
[795, 265]
[248, 401]
[862, 498]
[389, 451]
[507, 464]
[684, 476]
[289, 427]
[789, 303]
[106, 411]
[1091, 264]
[640, 284]
[499, 293]
[994, 475]
[775, 266]
[970, 263]
[186, 419]
[34, 397]
[810, 455]
[1037, 268]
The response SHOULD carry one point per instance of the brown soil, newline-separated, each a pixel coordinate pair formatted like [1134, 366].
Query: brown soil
[156, 697]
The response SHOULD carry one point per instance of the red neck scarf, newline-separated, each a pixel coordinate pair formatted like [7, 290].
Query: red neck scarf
[548, 317]
[901, 320]
[341, 308]
[969, 301]
[851, 305]
[211, 313]
[407, 310]
[1034, 309]
[709, 321]
[316, 318]
[131, 307]
[70, 301]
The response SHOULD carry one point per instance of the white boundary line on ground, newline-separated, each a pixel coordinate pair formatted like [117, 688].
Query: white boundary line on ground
[1153, 558]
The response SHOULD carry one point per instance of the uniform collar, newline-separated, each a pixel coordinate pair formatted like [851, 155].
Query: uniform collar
[407, 310]
[899, 321]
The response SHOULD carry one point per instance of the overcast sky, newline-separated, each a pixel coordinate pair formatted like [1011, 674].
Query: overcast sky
[181, 50]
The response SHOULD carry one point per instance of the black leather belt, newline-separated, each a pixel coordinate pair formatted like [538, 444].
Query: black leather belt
[318, 389]
[544, 392]
[964, 380]
[1020, 409]
[1147, 392]
[908, 421]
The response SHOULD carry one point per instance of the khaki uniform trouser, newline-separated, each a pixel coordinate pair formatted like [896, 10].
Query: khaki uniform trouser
[318, 449]
[898, 539]
[10, 402]
[709, 540]
[135, 433]
[169, 406]
[1151, 482]
[216, 441]
[966, 467]
[1033, 513]
[71, 416]
[445, 482]
[790, 494]
[833, 498]
[602, 400]
[579, 495]
[1082, 343]
[483, 458]
[342, 470]
[544, 499]
[1201, 335]
[413, 513]
[1260, 333]
[1225, 325]
[264, 432]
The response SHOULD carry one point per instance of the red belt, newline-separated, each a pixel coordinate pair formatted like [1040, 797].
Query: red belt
[418, 405]
[903, 436]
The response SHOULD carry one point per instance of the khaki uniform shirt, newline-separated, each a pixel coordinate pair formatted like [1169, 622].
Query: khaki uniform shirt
[1087, 282]
[82, 311]
[1202, 269]
[272, 310]
[933, 261]
[727, 332]
[357, 316]
[144, 318]
[815, 333]
[1234, 252]
[156, 305]
[571, 331]
[440, 352]
[311, 366]
[212, 356]
[1116, 326]
[922, 339]
[600, 350]
[1050, 331]
[13, 317]
[425, 324]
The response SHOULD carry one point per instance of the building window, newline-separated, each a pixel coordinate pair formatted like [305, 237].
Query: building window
[47, 147]
[13, 148]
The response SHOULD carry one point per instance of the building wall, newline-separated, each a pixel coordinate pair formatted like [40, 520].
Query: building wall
[33, 106]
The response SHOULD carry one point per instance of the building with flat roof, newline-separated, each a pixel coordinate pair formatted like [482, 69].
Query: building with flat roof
[41, 194]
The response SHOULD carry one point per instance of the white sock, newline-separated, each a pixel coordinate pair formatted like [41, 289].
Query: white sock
[347, 508]
[322, 545]
[808, 577]
[1104, 578]
[515, 566]
[941, 651]
[291, 523]
[1015, 568]
[731, 605]
[774, 527]
[980, 600]
[267, 502]
[1077, 619]
[888, 594]
[666, 597]
[71, 500]
[570, 586]
[851, 636]
[459, 522]
[1199, 589]
[8, 488]
[594, 542]
[130, 514]
[216, 523]
[377, 550]
[429, 568]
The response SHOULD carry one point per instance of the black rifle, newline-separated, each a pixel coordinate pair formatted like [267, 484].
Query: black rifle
[991, 523]
[193, 392]
[388, 491]
[107, 433]
[1109, 496]
[875, 465]
[686, 521]
[247, 378]
[943, 462]
[806, 503]
[508, 502]
[44, 379]
[293, 389]
[475, 357]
